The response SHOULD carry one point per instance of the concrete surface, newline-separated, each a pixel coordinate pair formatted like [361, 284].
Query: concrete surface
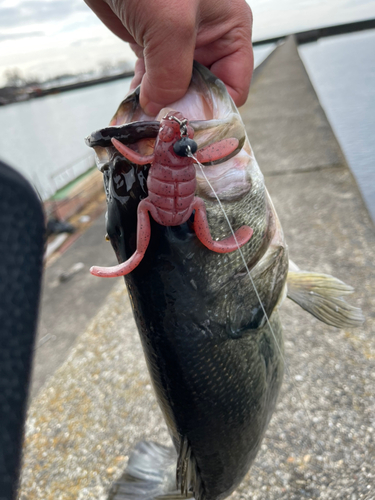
[68, 306]
[286, 125]
[320, 443]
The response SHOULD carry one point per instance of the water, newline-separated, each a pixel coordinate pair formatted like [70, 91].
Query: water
[342, 70]
[261, 52]
[45, 137]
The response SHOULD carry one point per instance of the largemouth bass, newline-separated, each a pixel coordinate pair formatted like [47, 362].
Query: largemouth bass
[211, 333]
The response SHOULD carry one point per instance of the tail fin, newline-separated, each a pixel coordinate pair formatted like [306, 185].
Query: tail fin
[322, 296]
[150, 474]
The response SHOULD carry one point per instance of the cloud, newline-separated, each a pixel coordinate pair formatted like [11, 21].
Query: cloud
[87, 41]
[17, 36]
[39, 11]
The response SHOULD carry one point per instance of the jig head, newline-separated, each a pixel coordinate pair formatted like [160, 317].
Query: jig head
[185, 146]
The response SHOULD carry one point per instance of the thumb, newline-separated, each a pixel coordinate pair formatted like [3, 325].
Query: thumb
[168, 56]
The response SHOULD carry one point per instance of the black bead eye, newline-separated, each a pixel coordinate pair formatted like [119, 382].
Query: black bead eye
[181, 147]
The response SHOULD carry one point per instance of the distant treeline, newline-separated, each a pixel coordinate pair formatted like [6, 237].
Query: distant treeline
[17, 93]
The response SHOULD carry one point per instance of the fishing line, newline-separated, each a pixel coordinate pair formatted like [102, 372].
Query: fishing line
[256, 291]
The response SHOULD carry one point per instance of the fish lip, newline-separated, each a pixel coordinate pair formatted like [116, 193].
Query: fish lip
[129, 133]
[132, 132]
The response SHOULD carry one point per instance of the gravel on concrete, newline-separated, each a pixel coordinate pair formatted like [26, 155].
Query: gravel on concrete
[68, 305]
[320, 443]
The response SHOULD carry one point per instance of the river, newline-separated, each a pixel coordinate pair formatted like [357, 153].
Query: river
[44, 138]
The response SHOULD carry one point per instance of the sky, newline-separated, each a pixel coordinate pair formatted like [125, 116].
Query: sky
[45, 38]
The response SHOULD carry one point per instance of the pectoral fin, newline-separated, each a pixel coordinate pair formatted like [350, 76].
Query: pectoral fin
[322, 296]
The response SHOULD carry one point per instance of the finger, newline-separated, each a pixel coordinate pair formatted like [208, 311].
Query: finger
[139, 71]
[168, 54]
[227, 49]
[137, 49]
[235, 71]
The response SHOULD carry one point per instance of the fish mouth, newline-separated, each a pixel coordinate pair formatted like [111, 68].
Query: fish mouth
[129, 133]
[206, 104]
[204, 101]
[213, 117]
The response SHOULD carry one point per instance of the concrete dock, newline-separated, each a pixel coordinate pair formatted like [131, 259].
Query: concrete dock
[93, 403]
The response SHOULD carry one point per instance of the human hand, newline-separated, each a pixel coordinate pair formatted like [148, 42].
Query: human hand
[167, 35]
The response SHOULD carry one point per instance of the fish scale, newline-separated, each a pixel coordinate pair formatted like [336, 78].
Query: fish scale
[220, 429]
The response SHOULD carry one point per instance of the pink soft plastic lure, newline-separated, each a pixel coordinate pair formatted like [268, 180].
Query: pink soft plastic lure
[171, 187]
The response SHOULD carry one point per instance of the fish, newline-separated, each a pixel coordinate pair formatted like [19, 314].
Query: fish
[208, 322]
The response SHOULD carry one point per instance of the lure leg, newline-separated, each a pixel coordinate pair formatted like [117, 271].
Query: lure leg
[143, 239]
[217, 150]
[130, 154]
[202, 230]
